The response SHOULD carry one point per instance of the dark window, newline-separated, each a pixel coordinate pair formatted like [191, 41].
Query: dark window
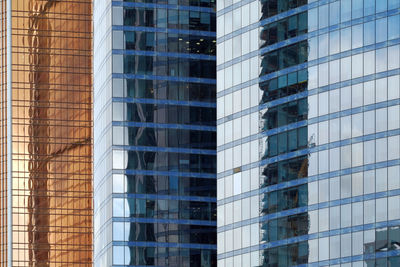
[149, 65]
[284, 57]
[290, 84]
[285, 199]
[171, 18]
[162, 161]
[285, 227]
[285, 170]
[283, 29]
[139, 17]
[271, 8]
[286, 113]
[278, 144]
[170, 114]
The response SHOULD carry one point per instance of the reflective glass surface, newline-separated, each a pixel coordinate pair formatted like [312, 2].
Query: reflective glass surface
[308, 130]
[51, 133]
[173, 114]
[169, 42]
[273, 7]
[169, 18]
[166, 90]
[155, 133]
[163, 66]
[202, 3]
[179, 138]
[284, 29]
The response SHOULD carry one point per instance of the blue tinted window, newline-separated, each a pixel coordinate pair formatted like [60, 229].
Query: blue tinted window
[369, 7]
[369, 33]
[323, 14]
[393, 4]
[381, 5]
[345, 10]
[394, 27]
[381, 30]
[357, 9]
[334, 13]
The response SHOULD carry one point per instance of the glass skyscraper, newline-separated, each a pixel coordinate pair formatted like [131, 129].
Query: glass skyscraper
[308, 133]
[46, 197]
[154, 133]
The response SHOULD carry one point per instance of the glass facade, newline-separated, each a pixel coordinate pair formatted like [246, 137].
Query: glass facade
[3, 136]
[46, 133]
[155, 133]
[308, 132]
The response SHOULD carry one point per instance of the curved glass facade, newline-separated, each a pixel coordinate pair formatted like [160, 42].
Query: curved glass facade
[308, 133]
[155, 133]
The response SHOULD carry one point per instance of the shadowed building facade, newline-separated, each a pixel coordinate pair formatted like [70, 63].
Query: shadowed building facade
[308, 133]
[46, 133]
[154, 137]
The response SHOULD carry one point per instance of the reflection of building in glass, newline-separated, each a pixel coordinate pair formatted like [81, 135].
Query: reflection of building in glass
[154, 92]
[47, 123]
[308, 130]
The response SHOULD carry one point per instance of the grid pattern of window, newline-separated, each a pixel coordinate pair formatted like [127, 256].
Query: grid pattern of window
[155, 183]
[238, 124]
[51, 133]
[308, 132]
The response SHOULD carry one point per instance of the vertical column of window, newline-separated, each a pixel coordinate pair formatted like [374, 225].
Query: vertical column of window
[177, 196]
[284, 136]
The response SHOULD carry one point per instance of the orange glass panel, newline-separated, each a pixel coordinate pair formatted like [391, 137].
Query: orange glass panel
[52, 133]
